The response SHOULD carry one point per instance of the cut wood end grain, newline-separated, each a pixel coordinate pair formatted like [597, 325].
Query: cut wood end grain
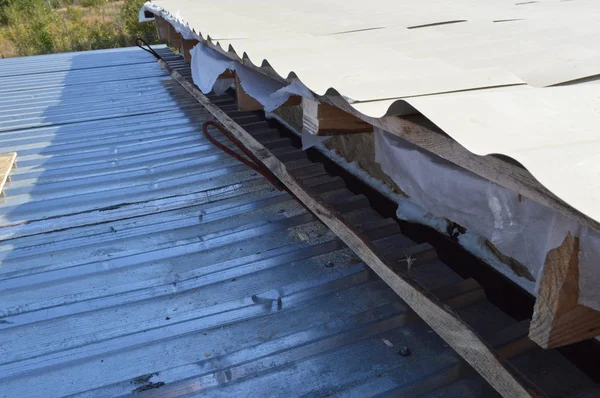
[324, 119]
[558, 318]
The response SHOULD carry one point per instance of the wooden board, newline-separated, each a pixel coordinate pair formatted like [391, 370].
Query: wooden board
[174, 38]
[558, 318]
[324, 119]
[495, 370]
[7, 161]
[244, 101]
[186, 46]
[162, 28]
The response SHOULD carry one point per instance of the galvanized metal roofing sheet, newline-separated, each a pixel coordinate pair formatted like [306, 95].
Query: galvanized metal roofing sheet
[447, 60]
[136, 257]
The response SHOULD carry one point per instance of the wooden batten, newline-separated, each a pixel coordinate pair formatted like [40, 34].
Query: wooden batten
[186, 46]
[558, 318]
[324, 119]
[174, 38]
[162, 28]
[244, 101]
[7, 162]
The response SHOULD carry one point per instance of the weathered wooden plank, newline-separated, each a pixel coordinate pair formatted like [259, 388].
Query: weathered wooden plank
[501, 375]
[324, 119]
[558, 318]
[7, 161]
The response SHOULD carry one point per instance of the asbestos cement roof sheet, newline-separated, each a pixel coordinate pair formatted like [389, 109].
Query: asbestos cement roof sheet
[486, 72]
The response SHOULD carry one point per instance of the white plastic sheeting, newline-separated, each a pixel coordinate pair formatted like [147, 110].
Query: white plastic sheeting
[518, 227]
[207, 65]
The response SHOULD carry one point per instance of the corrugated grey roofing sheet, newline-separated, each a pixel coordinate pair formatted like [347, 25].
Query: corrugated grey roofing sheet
[137, 258]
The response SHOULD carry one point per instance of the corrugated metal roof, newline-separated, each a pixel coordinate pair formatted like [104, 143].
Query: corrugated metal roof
[136, 257]
[447, 60]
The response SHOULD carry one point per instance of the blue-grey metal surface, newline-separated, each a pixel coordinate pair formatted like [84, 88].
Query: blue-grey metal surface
[137, 258]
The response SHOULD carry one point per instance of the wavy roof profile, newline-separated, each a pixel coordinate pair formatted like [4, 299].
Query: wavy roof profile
[486, 72]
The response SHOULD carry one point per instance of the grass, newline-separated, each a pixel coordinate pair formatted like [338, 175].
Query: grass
[31, 27]
[7, 49]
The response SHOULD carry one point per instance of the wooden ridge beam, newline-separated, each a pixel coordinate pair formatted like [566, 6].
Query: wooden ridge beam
[558, 318]
[445, 322]
[7, 162]
[324, 119]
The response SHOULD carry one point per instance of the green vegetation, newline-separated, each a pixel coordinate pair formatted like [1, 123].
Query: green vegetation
[29, 27]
